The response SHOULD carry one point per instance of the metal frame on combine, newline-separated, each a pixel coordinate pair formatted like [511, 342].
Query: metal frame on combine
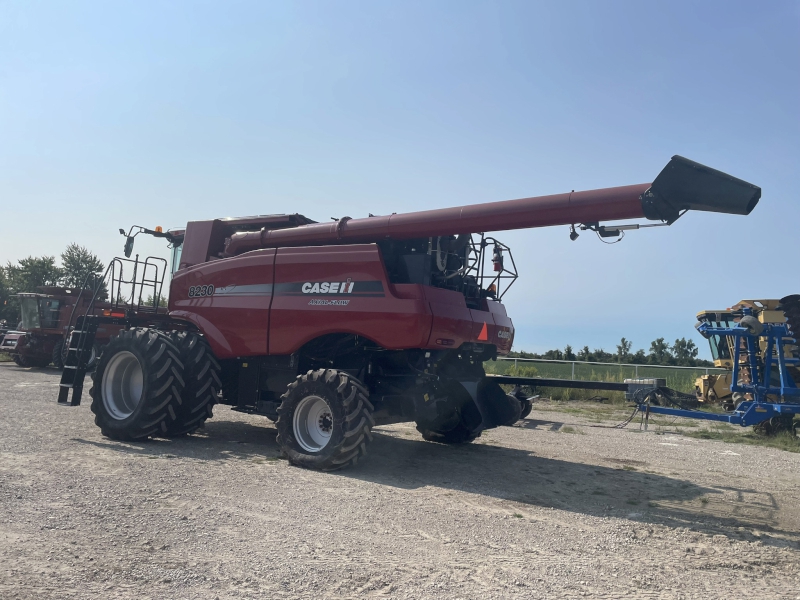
[123, 309]
[332, 328]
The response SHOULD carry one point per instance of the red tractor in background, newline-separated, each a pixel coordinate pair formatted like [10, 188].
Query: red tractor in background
[329, 329]
[47, 317]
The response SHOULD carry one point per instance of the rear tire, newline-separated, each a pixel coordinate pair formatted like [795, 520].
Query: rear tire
[514, 409]
[28, 362]
[138, 385]
[325, 420]
[201, 374]
[58, 355]
[458, 435]
[527, 407]
[94, 357]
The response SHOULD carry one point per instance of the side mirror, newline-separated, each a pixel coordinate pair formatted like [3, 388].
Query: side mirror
[128, 246]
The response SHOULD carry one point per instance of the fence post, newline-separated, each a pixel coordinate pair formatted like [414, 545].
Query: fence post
[515, 365]
[573, 369]
[706, 370]
[636, 372]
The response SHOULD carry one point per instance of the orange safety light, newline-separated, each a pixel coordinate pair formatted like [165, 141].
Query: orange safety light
[159, 229]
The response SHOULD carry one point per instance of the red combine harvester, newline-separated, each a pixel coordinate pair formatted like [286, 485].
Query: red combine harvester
[332, 328]
[47, 317]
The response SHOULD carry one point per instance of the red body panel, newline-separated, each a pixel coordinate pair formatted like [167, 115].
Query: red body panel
[235, 316]
[275, 301]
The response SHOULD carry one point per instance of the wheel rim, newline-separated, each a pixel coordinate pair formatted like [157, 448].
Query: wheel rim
[312, 423]
[123, 382]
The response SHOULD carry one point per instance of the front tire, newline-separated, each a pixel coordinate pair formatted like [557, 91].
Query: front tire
[201, 374]
[325, 420]
[138, 385]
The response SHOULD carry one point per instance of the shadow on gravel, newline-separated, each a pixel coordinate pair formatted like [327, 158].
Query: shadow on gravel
[520, 476]
[505, 473]
[218, 440]
[536, 424]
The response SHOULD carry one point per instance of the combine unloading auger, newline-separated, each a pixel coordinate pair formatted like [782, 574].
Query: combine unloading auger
[331, 328]
[682, 185]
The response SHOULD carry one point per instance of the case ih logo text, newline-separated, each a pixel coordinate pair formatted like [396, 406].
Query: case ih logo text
[504, 334]
[328, 287]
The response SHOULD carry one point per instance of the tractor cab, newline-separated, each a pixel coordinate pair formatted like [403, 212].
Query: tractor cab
[721, 346]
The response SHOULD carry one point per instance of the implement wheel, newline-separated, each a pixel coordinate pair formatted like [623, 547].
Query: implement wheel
[776, 425]
[59, 354]
[201, 374]
[325, 420]
[138, 385]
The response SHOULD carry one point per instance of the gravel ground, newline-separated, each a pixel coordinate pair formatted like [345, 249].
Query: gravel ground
[528, 512]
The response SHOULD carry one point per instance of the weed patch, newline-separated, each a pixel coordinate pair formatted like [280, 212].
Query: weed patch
[570, 429]
[782, 441]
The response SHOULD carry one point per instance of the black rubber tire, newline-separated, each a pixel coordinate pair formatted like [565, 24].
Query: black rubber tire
[351, 413]
[162, 389]
[201, 375]
[753, 325]
[527, 407]
[467, 429]
[58, 355]
[458, 435]
[27, 361]
[776, 425]
[515, 409]
[93, 361]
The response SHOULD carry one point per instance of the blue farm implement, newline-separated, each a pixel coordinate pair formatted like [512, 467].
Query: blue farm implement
[765, 392]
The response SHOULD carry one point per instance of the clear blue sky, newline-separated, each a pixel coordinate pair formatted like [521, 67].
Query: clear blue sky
[159, 113]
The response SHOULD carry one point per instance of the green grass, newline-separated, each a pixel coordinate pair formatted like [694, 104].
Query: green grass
[5, 357]
[570, 429]
[729, 434]
[677, 379]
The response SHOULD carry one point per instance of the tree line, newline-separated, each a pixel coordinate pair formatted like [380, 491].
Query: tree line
[681, 353]
[39, 271]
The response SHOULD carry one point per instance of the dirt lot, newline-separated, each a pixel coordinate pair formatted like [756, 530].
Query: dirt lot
[551, 508]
